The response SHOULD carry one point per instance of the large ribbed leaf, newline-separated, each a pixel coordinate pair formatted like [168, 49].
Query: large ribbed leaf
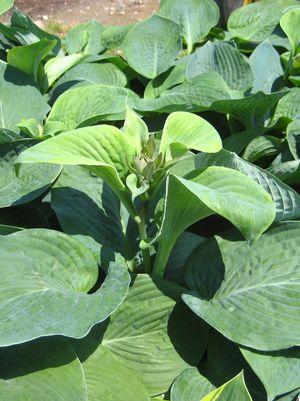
[190, 386]
[87, 105]
[107, 378]
[211, 191]
[195, 17]
[29, 58]
[190, 132]
[153, 335]
[32, 179]
[253, 111]
[235, 389]
[47, 292]
[157, 43]
[85, 74]
[267, 80]
[263, 146]
[19, 98]
[279, 371]
[250, 291]
[46, 369]
[257, 21]
[89, 210]
[85, 38]
[225, 60]
[287, 201]
[198, 93]
[104, 149]
[289, 106]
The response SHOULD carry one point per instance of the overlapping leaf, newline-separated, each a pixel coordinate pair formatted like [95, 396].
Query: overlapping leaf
[253, 289]
[47, 294]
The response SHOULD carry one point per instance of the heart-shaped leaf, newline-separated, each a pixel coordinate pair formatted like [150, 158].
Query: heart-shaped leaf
[249, 289]
[190, 132]
[156, 325]
[287, 201]
[225, 60]
[257, 21]
[87, 105]
[207, 192]
[47, 294]
[104, 149]
[267, 80]
[157, 41]
[85, 38]
[195, 17]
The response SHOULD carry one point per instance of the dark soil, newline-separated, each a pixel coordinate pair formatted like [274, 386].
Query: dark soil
[70, 12]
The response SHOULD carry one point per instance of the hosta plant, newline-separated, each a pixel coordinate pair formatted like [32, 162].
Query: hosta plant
[149, 207]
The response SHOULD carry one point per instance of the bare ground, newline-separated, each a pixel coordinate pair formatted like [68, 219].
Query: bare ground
[70, 12]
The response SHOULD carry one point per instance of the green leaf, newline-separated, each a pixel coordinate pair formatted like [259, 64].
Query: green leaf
[46, 369]
[288, 107]
[126, 385]
[5, 5]
[157, 41]
[57, 66]
[189, 131]
[19, 98]
[153, 322]
[288, 172]
[293, 138]
[253, 290]
[257, 21]
[224, 359]
[6, 229]
[107, 379]
[286, 200]
[87, 105]
[89, 210]
[279, 371]
[197, 94]
[190, 386]
[47, 294]
[262, 146]
[136, 130]
[8, 136]
[239, 140]
[183, 248]
[85, 38]
[104, 149]
[252, 111]
[112, 37]
[23, 31]
[31, 181]
[225, 60]
[29, 59]
[267, 80]
[235, 389]
[290, 24]
[213, 190]
[195, 17]
[87, 74]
